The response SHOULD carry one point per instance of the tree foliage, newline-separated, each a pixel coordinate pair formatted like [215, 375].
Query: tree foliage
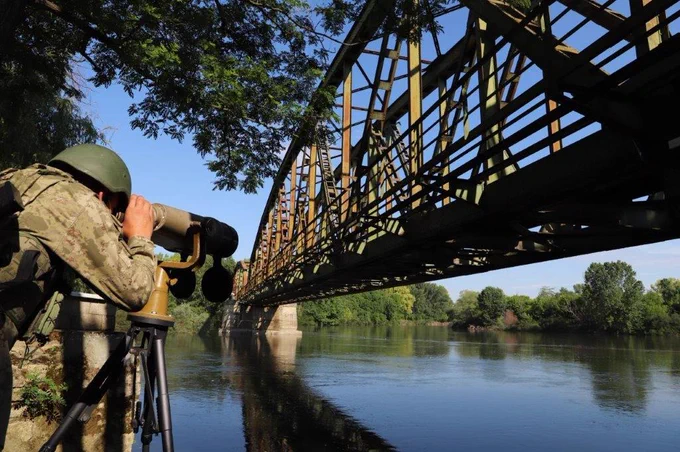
[466, 309]
[669, 289]
[420, 302]
[491, 302]
[236, 75]
[37, 121]
[378, 307]
[554, 310]
[611, 299]
[432, 302]
[401, 305]
[610, 295]
[520, 305]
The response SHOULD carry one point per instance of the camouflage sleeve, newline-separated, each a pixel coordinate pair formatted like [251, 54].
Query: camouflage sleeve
[122, 272]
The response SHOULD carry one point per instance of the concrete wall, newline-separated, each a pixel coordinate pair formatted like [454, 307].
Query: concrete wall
[263, 320]
[82, 341]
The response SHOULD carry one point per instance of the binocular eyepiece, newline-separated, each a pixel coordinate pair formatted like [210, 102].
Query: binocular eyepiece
[173, 230]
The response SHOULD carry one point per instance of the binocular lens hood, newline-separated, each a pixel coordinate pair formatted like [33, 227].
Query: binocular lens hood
[221, 239]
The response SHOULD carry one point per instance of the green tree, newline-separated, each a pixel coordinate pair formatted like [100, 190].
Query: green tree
[654, 317]
[521, 306]
[399, 305]
[37, 121]
[491, 304]
[329, 312]
[669, 289]
[432, 302]
[555, 310]
[237, 75]
[377, 307]
[610, 295]
[466, 309]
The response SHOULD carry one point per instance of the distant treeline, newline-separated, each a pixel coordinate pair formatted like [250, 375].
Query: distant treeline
[610, 299]
[424, 302]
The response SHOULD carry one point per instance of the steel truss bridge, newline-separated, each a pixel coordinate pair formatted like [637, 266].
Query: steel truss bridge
[513, 137]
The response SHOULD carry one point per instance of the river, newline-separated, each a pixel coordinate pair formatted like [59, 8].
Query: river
[424, 388]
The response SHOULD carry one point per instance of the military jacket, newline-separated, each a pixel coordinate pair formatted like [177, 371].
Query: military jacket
[73, 224]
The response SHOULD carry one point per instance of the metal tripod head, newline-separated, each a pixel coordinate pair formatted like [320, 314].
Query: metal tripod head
[155, 311]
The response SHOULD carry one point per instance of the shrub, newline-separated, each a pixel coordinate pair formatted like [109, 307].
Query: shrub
[465, 310]
[41, 396]
[189, 318]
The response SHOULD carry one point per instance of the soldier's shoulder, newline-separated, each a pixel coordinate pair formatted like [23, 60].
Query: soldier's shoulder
[14, 172]
[7, 173]
[68, 182]
[35, 172]
[49, 187]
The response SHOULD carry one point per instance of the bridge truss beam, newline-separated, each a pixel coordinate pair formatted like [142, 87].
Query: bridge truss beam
[511, 138]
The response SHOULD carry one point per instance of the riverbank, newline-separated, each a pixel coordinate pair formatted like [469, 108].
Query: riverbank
[425, 323]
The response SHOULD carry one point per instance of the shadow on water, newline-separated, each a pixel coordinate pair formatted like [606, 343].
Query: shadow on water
[280, 412]
[620, 368]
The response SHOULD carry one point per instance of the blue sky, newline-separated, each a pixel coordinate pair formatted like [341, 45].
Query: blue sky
[172, 173]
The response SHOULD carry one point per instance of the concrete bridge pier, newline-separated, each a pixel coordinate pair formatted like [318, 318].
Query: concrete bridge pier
[270, 320]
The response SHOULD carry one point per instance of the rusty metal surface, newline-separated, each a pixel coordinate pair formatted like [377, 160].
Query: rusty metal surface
[511, 138]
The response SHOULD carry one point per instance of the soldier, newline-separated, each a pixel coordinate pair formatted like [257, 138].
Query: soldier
[69, 219]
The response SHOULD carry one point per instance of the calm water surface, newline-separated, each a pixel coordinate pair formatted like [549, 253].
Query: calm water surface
[424, 388]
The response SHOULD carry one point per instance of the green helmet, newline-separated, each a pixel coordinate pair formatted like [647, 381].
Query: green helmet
[99, 163]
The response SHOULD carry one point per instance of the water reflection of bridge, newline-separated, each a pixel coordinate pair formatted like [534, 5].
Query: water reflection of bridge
[281, 412]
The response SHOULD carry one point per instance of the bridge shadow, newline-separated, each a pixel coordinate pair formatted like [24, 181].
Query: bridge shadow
[280, 411]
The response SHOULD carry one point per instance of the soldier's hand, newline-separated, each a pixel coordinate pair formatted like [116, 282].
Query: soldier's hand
[138, 218]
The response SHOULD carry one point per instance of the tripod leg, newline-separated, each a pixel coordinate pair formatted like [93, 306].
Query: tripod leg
[93, 392]
[163, 396]
[149, 369]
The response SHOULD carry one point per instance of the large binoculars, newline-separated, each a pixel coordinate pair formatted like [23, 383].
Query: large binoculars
[172, 231]
[176, 231]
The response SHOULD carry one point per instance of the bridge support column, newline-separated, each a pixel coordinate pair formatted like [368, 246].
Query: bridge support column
[271, 320]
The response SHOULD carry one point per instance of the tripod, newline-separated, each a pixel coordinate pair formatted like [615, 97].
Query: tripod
[151, 326]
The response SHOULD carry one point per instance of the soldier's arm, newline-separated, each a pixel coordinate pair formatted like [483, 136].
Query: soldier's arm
[122, 272]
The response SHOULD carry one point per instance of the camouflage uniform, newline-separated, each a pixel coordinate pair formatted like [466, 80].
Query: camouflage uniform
[66, 222]
[73, 224]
